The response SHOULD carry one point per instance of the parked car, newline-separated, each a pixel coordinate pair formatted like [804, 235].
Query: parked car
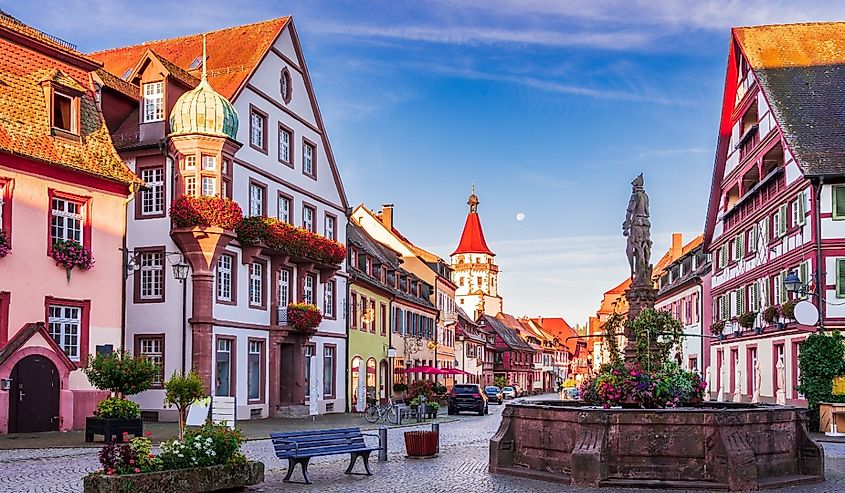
[467, 397]
[509, 393]
[494, 394]
[572, 393]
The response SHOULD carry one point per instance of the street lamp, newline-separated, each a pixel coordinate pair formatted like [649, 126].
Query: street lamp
[180, 272]
[793, 283]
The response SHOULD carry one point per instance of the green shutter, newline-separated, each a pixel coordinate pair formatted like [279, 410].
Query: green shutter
[840, 281]
[802, 207]
[838, 202]
[784, 294]
[752, 238]
[782, 222]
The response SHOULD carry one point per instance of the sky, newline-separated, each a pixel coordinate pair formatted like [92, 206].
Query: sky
[550, 107]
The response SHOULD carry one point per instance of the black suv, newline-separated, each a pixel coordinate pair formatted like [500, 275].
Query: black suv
[467, 397]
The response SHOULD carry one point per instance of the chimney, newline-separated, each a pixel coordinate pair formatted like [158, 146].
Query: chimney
[387, 215]
[677, 245]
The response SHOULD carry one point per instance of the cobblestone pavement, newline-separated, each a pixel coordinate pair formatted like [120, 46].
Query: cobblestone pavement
[461, 467]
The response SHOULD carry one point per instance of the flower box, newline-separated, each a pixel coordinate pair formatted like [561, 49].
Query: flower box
[195, 480]
[112, 428]
[304, 317]
[191, 212]
[290, 240]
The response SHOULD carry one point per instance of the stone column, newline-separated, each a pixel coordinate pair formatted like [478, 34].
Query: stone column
[639, 298]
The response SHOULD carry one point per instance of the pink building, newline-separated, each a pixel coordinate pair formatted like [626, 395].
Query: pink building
[61, 180]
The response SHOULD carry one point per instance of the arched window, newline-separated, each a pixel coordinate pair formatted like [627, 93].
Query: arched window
[384, 380]
[371, 378]
[285, 86]
[356, 363]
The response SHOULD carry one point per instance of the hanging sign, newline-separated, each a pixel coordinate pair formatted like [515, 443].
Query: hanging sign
[839, 385]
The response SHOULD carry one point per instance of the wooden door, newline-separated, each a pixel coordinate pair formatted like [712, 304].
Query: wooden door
[34, 397]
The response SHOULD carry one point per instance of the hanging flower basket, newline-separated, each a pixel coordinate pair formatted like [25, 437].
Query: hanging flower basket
[716, 328]
[290, 240]
[5, 245]
[304, 317]
[205, 211]
[71, 254]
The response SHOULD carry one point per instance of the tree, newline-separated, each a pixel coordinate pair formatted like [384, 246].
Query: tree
[121, 373]
[820, 360]
[500, 381]
[180, 392]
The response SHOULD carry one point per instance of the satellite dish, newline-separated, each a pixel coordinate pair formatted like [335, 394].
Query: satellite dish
[806, 313]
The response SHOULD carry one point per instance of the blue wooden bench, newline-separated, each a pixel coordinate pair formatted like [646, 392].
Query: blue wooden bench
[298, 447]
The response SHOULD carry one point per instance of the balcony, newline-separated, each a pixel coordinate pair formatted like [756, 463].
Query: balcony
[281, 313]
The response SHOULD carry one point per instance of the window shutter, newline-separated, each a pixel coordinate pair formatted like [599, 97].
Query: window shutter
[764, 229]
[782, 222]
[752, 238]
[839, 202]
[740, 245]
[840, 278]
[764, 292]
[784, 294]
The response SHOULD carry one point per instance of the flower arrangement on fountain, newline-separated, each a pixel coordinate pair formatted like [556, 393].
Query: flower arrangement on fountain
[71, 254]
[205, 211]
[304, 317]
[5, 246]
[654, 380]
[290, 240]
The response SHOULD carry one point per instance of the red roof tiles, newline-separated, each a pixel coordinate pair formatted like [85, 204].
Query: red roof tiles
[472, 239]
[233, 53]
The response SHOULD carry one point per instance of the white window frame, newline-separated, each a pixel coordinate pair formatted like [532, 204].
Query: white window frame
[285, 138]
[308, 151]
[328, 299]
[285, 206]
[65, 224]
[153, 110]
[209, 163]
[329, 227]
[224, 278]
[65, 323]
[307, 218]
[152, 348]
[152, 195]
[257, 130]
[308, 290]
[256, 284]
[255, 348]
[256, 200]
[284, 287]
[190, 162]
[191, 186]
[209, 186]
[152, 275]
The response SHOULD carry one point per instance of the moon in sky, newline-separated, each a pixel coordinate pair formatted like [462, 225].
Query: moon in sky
[520, 216]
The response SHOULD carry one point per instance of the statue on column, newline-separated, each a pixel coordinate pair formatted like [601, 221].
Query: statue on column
[723, 376]
[758, 380]
[780, 395]
[737, 384]
[637, 228]
[707, 379]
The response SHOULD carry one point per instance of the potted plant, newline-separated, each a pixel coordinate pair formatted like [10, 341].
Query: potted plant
[180, 392]
[121, 374]
[770, 314]
[207, 459]
[431, 409]
[787, 310]
[717, 327]
[71, 254]
[304, 317]
[746, 320]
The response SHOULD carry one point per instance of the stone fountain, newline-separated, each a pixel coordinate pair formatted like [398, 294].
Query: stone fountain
[712, 445]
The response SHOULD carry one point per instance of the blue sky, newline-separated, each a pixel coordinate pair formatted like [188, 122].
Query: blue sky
[550, 107]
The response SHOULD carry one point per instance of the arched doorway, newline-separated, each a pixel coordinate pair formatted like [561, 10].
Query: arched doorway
[356, 363]
[384, 381]
[34, 396]
[371, 379]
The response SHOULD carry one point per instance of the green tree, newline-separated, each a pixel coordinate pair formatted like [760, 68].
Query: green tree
[822, 358]
[500, 381]
[121, 373]
[179, 392]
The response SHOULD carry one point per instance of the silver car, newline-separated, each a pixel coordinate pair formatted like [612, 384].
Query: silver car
[509, 393]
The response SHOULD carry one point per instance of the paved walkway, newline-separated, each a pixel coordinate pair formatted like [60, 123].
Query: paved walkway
[461, 467]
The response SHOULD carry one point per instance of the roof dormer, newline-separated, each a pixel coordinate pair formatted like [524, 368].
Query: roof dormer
[63, 96]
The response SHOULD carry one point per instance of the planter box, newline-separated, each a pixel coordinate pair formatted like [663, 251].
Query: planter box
[196, 480]
[112, 429]
[421, 444]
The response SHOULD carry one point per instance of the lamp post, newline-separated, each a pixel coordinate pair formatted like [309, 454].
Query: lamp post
[793, 283]
[180, 272]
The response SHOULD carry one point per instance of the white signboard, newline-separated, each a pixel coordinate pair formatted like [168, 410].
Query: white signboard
[361, 390]
[198, 412]
[316, 390]
[223, 410]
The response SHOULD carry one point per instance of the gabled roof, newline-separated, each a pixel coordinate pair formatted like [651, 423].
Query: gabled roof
[117, 84]
[25, 334]
[509, 335]
[24, 119]
[180, 75]
[559, 328]
[233, 53]
[356, 235]
[472, 238]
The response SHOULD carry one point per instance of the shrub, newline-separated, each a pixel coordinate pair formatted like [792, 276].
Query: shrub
[770, 314]
[208, 446]
[304, 317]
[290, 240]
[70, 254]
[668, 386]
[433, 406]
[205, 211]
[500, 382]
[114, 408]
[820, 360]
[439, 388]
[180, 391]
[121, 373]
[788, 310]
[422, 387]
[399, 387]
[747, 319]
[133, 458]
[5, 246]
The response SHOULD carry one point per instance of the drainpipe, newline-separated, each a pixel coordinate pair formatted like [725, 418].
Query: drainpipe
[818, 185]
[123, 274]
[348, 362]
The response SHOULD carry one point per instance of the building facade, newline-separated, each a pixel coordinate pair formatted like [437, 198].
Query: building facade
[62, 184]
[512, 357]
[775, 206]
[474, 272]
[470, 351]
[230, 114]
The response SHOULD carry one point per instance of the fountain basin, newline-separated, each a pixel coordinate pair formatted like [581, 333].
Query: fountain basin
[715, 446]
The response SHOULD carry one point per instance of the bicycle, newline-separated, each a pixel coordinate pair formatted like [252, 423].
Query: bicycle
[388, 412]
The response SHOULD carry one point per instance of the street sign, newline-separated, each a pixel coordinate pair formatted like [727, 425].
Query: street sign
[806, 313]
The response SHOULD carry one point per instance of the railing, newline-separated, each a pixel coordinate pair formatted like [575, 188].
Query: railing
[281, 315]
[20, 25]
[749, 145]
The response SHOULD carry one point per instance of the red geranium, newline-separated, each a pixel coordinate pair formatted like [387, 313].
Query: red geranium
[205, 211]
[70, 254]
[290, 240]
[304, 317]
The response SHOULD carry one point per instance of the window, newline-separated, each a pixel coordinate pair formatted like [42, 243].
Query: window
[330, 227]
[799, 210]
[285, 206]
[285, 139]
[65, 326]
[838, 202]
[308, 213]
[308, 292]
[66, 220]
[328, 370]
[840, 278]
[152, 348]
[284, 287]
[209, 163]
[309, 351]
[781, 224]
[209, 186]
[328, 299]
[256, 284]
[191, 186]
[285, 87]
[224, 368]
[354, 315]
[64, 114]
[190, 163]
[383, 312]
[151, 276]
[256, 199]
[258, 129]
[225, 278]
[739, 247]
[153, 102]
[254, 367]
[308, 151]
[752, 238]
[152, 195]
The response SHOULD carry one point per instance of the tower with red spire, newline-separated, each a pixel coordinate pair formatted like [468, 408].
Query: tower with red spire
[473, 270]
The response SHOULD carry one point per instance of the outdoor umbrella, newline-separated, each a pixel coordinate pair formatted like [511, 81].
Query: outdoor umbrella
[427, 370]
[453, 371]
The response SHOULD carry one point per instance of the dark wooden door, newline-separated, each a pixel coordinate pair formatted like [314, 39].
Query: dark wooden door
[34, 397]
